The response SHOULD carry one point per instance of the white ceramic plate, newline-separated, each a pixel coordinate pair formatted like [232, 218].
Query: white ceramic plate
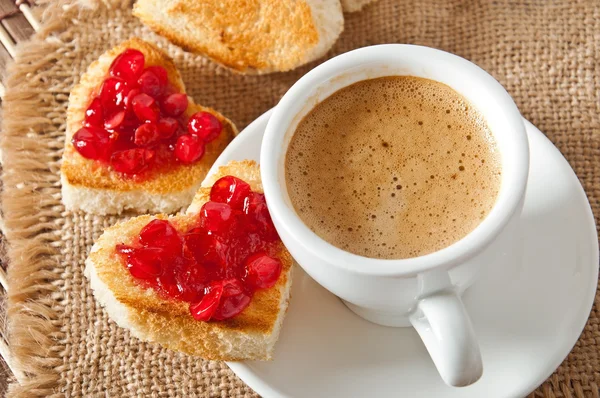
[527, 314]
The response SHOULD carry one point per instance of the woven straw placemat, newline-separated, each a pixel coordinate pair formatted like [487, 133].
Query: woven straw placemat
[545, 53]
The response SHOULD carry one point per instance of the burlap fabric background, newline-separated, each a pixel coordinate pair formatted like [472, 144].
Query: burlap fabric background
[546, 53]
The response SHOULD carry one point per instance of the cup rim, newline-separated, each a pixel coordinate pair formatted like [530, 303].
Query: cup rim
[272, 149]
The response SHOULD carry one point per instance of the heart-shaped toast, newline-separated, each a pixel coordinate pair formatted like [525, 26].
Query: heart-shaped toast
[134, 140]
[214, 282]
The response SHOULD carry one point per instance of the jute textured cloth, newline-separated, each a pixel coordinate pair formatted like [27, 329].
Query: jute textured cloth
[546, 53]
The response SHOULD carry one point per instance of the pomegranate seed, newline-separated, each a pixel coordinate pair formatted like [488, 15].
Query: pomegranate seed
[232, 287]
[168, 283]
[145, 263]
[189, 280]
[263, 218]
[205, 126]
[232, 306]
[191, 291]
[94, 115]
[175, 104]
[126, 131]
[92, 143]
[129, 98]
[132, 161]
[113, 93]
[205, 248]
[195, 241]
[114, 121]
[251, 202]
[189, 149]
[161, 73]
[167, 127]
[205, 308]
[175, 277]
[146, 134]
[215, 216]
[230, 190]
[197, 275]
[128, 65]
[160, 233]
[150, 83]
[256, 208]
[262, 270]
[233, 300]
[145, 108]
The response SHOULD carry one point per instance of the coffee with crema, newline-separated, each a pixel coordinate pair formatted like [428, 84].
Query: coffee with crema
[393, 167]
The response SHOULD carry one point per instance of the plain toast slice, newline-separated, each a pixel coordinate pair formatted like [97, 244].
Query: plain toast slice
[250, 335]
[254, 36]
[100, 190]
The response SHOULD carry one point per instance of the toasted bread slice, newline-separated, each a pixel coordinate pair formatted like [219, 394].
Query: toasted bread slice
[355, 5]
[100, 190]
[250, 335]
[252, 36]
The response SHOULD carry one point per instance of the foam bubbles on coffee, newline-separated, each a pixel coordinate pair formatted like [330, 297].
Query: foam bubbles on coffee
[393, 167]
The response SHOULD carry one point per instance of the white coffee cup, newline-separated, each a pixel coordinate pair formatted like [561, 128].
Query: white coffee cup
[423, 291]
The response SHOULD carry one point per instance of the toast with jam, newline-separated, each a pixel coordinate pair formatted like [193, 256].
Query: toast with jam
[134, 139]
[214, 282]
[253, 37]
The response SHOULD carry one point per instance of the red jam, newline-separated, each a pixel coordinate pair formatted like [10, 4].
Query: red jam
[137, 121]
[217, 264]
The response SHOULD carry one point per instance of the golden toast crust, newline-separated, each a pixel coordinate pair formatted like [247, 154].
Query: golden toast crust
[163, 319]
[247, 36]
[87, 173]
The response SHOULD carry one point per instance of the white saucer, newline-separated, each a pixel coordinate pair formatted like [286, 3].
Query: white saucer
[527, 315]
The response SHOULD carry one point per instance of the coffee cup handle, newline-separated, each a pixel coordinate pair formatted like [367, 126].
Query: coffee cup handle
[445, 327]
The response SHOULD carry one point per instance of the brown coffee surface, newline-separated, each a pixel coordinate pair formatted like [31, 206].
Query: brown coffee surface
[393, 167]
